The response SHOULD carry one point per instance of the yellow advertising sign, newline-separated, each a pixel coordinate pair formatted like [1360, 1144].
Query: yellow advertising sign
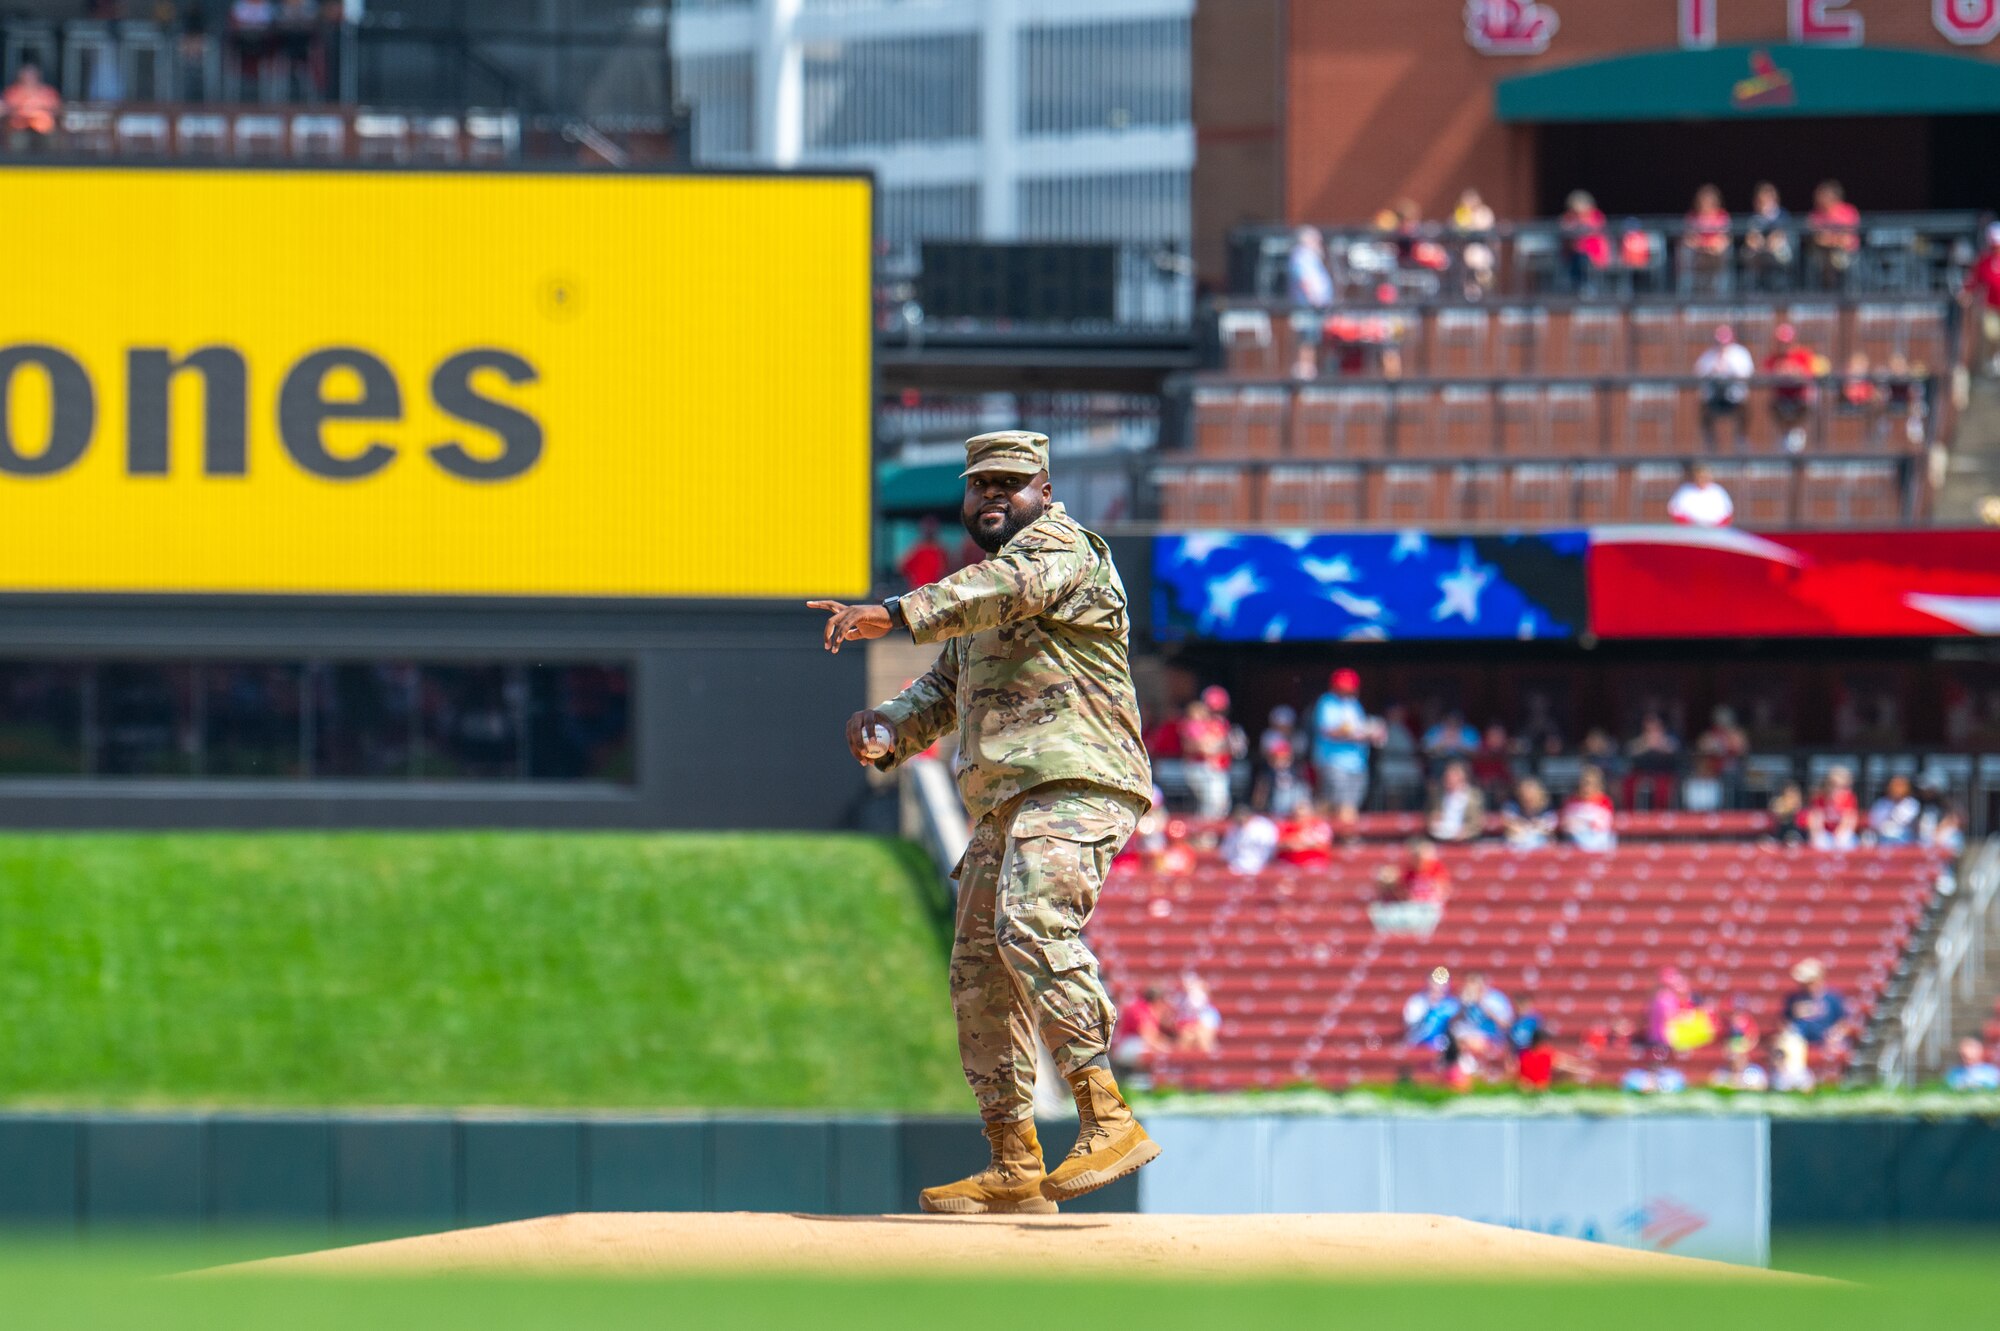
[436, 384]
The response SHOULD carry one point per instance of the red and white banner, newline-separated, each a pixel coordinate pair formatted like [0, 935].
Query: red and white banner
[1695, 582]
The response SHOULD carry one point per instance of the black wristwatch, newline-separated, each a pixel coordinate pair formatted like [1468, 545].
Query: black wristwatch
[894, 606]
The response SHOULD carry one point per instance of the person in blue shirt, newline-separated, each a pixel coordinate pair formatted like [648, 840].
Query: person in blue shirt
[1343, 732]
[1973, 1072]
[1818, 1014]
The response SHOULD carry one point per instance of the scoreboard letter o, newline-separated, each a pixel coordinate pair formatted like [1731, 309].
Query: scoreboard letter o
[1966, 22]
[72, 411]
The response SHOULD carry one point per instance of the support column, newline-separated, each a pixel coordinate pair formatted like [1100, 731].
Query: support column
[1000, 101]
[780, 90]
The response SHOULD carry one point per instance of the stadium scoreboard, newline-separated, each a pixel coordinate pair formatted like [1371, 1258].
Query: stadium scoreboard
[352, 383]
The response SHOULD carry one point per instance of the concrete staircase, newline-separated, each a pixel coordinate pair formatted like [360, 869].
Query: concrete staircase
[1967, 485]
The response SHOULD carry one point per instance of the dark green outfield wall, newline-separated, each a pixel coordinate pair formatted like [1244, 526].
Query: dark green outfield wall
[1885, 1174]
[426, 1173]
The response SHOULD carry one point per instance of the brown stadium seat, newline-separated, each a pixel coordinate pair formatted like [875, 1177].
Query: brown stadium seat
[1652, 485]
[1413, 421]
[1214, 414]
[1240, 422]
[1459, 343]
[1844, 494]
[1600, 489]
[1313, 496]
[1409, 496]
[1203, 496]
[1818, 326]
[1478, 494]
[1518, 334]
[1596, 343]
[1855, 430]
[1346, 421]
[1521, 412]
[1247, 341]
[1465, 421]
[1575, 421]
[1655, 334]
[1761, 491]
[1538, 493]
[1697, 332]
[1912, 329]
[1652, 420]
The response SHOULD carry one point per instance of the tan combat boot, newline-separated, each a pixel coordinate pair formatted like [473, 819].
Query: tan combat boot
[1109, 1142]
[1011, 1183]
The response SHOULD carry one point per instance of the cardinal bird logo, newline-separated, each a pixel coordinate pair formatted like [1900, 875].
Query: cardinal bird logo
[1767, 85]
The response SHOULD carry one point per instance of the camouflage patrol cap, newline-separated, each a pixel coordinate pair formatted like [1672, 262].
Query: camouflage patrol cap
[1022, 452]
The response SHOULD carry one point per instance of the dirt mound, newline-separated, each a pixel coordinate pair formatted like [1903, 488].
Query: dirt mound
[1420, 1247]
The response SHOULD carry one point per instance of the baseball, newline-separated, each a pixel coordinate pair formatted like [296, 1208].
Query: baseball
[876, 741]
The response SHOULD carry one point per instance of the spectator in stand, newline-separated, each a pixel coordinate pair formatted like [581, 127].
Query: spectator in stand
[1793, 366]
[1791, 1069]
[1422, 876]
[1472, 223]
[1892, 818]
[1902, 394]
[1141, 1036]
[1342, 735]
[926, 560]
[1741, 1072]
[1767, 241]
[1458, 811]
[1208, 752]
[1705, 244]
[1305, 840]
[1719, 755]
[1479, 1030]
[1725, 370]
[1982, 292]
[1197, 1021]
[1493, 764]
[32, 106]
[1949, 834]
[1585, 237]
[1450, 738]
[1656, 760]
[1701, 501]
[1833, 236]
[1835, 816]
[1973, 1071]
[253, 35]
[1602, 752]
[1278, 782]
[1813, 1012]
[1309, 286]
[1789, 818]
[1427, 1019]
[1587, 818]
[1249, 844]
[1529, 821]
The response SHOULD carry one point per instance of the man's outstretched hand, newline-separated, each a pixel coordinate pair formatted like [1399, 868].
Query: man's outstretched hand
[847, 622]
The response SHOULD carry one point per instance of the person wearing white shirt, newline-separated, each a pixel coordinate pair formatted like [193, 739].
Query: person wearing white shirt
[1700, 502]
[1725, 371]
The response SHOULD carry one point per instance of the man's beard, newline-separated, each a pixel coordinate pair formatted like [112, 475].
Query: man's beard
[992, 542]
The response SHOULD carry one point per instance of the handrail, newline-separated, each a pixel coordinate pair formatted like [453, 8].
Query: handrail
[933, 816]
[1958, 955]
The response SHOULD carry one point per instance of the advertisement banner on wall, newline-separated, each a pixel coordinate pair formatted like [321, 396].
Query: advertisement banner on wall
[1692, 1186]
[1367, 586]
[437, 383]
[1719, 582]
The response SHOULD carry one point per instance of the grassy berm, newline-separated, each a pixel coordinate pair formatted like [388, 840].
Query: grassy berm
[461, 969]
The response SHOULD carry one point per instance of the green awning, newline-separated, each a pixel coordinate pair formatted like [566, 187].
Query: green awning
[1732, 82]
[926, 487]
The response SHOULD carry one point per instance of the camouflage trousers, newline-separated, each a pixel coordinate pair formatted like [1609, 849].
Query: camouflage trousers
[1026, 887]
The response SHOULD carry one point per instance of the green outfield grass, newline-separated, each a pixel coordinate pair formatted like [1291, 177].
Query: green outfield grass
[602, 970]
[1950, 1286]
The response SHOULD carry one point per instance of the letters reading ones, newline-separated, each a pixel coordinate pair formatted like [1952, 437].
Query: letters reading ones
[303, 411]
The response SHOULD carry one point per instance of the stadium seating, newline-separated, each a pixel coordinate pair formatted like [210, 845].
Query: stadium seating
[1310, 993]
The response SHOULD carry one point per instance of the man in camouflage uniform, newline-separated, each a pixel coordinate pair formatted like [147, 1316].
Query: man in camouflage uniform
[1034, 675]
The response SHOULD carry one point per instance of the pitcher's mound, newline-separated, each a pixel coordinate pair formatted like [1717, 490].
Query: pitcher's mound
[1420, 1247]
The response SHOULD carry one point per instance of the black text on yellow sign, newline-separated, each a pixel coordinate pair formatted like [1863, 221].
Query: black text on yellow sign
[349, 383]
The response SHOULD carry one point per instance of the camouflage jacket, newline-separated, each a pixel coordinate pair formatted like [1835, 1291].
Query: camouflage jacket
[1034, 670]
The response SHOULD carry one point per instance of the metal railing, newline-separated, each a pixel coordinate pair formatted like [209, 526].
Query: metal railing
[1900, 253]
[933, 816]
[1950, 975]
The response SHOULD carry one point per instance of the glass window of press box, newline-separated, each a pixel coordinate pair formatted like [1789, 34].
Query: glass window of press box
[317, 720]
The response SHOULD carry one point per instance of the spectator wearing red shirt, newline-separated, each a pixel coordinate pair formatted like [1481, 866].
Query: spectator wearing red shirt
[926, 561]
[1422, 876]
[1588, 819]
[1792, 364]
[1982, 287]
[1835, 816]
[1589, 246]
[31, 110]
[1833, 236]
[1206, 751]
[1306, 840]
[1493, 764]
[1705, 243]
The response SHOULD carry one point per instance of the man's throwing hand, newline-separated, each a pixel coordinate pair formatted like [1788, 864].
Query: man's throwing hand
[846, 622]
[870, 735]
